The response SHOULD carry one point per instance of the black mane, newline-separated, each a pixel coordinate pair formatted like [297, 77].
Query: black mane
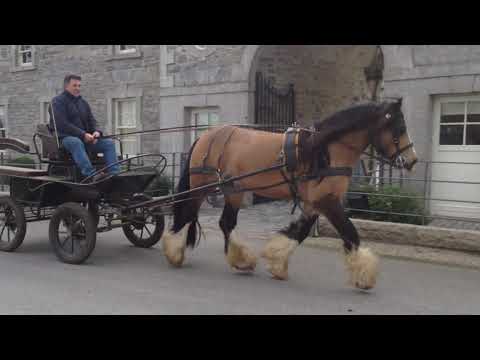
[353, 118]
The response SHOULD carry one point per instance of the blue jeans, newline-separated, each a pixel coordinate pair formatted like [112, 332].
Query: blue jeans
[77, 148]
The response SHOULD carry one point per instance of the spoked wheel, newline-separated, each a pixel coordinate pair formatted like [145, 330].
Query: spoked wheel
[73, 233]
[12, 224]
[144, 228]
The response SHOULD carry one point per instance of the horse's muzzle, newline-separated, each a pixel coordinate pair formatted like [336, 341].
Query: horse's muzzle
[410, 166]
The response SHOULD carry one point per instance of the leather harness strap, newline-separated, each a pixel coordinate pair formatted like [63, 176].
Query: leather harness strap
[289, 156]
[209, 170]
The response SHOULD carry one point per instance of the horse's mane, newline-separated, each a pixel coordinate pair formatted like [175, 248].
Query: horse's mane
[353, 118]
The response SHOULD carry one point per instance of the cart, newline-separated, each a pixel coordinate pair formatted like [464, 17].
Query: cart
[78, 209]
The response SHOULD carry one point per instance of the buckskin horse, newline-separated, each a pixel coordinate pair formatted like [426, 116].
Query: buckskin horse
[316, 173]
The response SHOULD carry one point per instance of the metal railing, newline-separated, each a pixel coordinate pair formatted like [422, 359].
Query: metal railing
[384, 185]
[383, 182]
[377, 191]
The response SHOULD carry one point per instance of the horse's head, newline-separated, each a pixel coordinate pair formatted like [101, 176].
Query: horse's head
[390, 137]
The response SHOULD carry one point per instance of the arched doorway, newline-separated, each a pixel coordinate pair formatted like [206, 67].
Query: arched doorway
[324, 78]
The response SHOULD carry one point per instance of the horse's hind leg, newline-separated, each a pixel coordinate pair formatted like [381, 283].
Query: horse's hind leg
[239, 255]
[183, 232]
[279, 249]
[361, 263]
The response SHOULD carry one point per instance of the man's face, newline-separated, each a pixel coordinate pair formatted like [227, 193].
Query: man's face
[73, 87]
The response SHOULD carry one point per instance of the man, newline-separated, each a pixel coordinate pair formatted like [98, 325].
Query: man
[77, 129]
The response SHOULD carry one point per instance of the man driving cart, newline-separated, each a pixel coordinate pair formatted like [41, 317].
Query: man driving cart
[77, 130]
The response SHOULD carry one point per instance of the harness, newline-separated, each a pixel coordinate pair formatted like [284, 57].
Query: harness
[398, 127]
[291, 159]
[289, 164]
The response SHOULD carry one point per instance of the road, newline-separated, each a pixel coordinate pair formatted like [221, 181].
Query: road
[121, 279]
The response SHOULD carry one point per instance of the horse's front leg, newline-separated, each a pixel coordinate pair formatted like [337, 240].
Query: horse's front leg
[361, 263]
[279, 249]
[239, 255]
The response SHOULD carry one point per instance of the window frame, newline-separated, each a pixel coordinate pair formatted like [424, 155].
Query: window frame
[438, 124]
[116, 128]
[5, 122]
[20, 53]
[127, 50]
[198, 111]
[15, 56]
[118, 54]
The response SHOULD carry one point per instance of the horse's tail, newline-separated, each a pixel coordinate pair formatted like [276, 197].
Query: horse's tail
[185, 210]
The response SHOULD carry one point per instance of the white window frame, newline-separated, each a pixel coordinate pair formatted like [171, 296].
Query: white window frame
[20, 53]
[116, 128]
[195, 112]
[5, 122]
[16, 59]
[132, 52]
[437, 124]
[44, 116]
[129, 49]
[43, 119]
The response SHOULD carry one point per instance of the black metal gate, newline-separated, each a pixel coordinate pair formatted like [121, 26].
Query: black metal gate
[273, 107]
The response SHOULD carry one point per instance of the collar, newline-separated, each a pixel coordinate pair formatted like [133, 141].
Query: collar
[70, 96]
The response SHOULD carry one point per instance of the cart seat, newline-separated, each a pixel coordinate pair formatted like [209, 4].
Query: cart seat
[55, 154]
[20, 171]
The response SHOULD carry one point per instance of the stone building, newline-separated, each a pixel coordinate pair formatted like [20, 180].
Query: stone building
[142, 87]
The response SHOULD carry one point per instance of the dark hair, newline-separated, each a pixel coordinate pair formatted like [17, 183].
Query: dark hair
[68, 78]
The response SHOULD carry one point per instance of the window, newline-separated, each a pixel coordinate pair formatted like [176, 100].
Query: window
[24, 55]
[203, 117]
[3, 121]
[126, 49]
[44, 115]
[121, 52]
[125, 122]
[22, 58]
[460, 123]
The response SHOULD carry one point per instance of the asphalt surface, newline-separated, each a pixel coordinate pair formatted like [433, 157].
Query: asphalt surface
[121, 279]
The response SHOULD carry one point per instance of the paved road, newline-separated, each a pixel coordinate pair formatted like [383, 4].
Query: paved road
[121, 279]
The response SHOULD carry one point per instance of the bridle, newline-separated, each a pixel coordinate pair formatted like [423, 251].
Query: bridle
[398, 128]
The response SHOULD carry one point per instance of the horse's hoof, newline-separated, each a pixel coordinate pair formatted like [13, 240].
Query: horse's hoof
[362, 265]
[363, 287]
[278, 271]
[239, 256]
[174, 247]
[245, 269]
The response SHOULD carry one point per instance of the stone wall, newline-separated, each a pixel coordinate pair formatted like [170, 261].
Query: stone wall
[103, 72]
[326, 78]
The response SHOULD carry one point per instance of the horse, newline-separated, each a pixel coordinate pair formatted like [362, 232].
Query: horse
[318, 168]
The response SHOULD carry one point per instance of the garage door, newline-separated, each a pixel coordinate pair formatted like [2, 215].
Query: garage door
[456, 144]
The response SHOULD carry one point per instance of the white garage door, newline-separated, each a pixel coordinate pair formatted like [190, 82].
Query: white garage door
[456, 139]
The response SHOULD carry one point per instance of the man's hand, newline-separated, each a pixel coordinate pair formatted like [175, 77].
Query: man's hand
[96, 136]
[89, 138]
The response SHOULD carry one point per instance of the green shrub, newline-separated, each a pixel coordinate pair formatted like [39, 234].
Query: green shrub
[23, 161]
[395, 202]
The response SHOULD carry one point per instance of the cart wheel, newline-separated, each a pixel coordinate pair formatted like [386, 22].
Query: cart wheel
[12, 224]
[73, 233]
[145, 229]
[92, 207]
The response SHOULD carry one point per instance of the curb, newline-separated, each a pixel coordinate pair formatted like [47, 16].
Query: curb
[422, 254]
[406, 234]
